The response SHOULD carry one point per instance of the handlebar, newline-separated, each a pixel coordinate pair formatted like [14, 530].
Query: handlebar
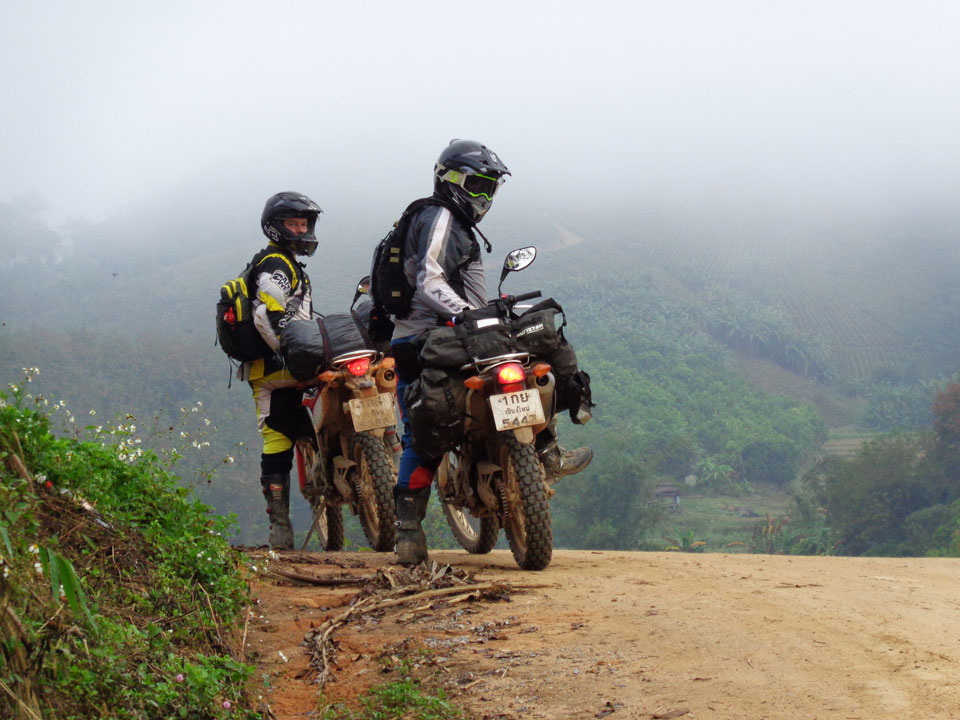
[514, 299]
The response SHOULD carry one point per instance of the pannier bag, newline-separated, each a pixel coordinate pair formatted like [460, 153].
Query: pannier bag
[573, 385]
[436, 405]
[536, 330]
[443, 348]
[310, 346]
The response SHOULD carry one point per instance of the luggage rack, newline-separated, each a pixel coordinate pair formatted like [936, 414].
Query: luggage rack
[483, 363]
[340, 360]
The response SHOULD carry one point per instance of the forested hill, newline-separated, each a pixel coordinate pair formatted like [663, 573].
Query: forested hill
[670, 311]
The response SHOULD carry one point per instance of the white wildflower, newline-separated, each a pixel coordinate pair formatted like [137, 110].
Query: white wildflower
[206, 421]
[33, 549]
[93, 412]
[38, 567]
[6, 572]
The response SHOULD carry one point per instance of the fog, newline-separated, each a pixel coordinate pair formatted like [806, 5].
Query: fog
[807, 105]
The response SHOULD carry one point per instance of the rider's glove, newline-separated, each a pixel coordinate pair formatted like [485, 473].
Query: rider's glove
[455, 320]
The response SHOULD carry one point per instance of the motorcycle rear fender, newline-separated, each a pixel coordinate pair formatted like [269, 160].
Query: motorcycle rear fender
[525, 434]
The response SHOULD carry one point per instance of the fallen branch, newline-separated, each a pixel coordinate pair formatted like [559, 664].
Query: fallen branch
[319, 639]
[281, 574]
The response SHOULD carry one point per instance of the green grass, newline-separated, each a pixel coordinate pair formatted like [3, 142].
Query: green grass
[401, 700]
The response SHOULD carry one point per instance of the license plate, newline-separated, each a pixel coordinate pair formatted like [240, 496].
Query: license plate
[516, 409]
[369, 413]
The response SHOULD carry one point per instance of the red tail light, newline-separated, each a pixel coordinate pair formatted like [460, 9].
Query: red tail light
[359, 367]
[510, 373]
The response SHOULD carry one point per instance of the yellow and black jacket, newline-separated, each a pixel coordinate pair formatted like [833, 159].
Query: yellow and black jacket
[280, 293]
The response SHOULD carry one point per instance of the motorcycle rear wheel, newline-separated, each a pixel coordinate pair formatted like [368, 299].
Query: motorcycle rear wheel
[374, 488]
[477, 536]
[526, 511]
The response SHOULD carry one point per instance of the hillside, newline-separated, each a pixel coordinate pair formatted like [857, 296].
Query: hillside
[715, 336]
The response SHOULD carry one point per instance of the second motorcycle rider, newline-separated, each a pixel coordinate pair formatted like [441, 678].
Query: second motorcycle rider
[442, 262]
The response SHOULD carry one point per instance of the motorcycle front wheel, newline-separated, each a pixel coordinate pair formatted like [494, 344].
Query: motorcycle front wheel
[327, 519]
[374, 488]
[477, 536]
[526, 512]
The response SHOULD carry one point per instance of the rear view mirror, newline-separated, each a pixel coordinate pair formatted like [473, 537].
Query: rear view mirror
[517, 260]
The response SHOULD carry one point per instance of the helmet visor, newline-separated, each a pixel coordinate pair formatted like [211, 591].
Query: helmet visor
[474, 184]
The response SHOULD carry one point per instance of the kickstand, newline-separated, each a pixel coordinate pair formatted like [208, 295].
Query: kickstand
[313, 526]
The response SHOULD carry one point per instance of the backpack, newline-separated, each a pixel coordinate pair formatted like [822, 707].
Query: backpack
[236, 332]
[389, 289]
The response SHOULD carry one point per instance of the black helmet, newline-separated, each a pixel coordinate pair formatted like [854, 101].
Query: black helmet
[469, 174]
[290, 205]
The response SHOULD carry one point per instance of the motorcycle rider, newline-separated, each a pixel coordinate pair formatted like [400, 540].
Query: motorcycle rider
[281, 293]
[442, 261]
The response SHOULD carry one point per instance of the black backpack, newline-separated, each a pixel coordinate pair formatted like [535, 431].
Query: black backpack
[389, 289]
[236, 332]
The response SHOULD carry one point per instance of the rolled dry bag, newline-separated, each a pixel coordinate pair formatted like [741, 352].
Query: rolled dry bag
[302, 347]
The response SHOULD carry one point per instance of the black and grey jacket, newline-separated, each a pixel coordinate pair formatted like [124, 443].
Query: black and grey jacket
[442, 260]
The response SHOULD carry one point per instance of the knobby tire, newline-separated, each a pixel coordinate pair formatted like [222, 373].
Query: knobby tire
[527, 527]
[376, 472]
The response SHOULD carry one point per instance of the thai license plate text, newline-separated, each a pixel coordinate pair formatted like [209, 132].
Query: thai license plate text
[516, 409]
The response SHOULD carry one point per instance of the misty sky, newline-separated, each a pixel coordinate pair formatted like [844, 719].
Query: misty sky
[114, 102]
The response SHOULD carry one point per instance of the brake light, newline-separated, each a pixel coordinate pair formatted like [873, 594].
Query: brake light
[510, 373]
[359, 366]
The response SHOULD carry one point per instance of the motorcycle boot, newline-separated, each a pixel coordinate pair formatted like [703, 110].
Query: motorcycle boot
[411, 540]
[276, 489]
[557, 461]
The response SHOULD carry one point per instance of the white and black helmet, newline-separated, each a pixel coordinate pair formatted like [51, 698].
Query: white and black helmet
[291, 205]
[469, 175]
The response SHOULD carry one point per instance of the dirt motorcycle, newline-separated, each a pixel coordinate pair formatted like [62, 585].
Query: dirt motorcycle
[493, 478]
[352, 408]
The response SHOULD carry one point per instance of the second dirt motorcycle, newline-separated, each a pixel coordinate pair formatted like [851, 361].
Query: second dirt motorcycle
[352, 409]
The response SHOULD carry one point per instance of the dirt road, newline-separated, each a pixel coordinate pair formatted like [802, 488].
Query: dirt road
[645, 635]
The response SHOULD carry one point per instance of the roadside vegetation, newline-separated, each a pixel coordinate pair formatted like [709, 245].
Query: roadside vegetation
[119, 594]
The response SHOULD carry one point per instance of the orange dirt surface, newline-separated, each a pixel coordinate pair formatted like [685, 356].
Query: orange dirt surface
[637, 635]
